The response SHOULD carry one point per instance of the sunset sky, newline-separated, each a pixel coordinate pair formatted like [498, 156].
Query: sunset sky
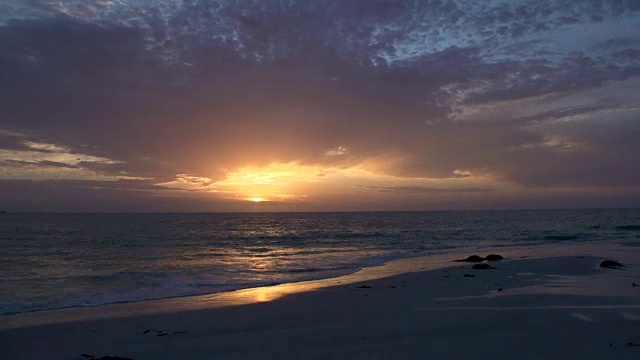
[318, 105]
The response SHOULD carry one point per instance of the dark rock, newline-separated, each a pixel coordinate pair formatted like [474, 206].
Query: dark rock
[180, 332]
[633, 344]
[146, 331]
[472, 258]
[494, 257]
[634, 285]
[113, 358]
[364, 287]
[87, 355]
[611, 264]
[499, 289]
[162, 334]
[469, 275]
[482, 267]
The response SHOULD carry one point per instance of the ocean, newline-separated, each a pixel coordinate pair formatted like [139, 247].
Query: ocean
[51, 261]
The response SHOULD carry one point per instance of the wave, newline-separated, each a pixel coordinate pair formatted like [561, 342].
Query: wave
[173, 286]
[629, 227]
[562, 237]
[214, 254]
[157, 285]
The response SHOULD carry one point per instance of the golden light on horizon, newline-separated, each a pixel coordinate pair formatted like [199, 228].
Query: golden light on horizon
[272, 182]
[292, 182]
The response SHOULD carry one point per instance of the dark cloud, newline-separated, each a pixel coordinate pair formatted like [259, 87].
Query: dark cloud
[41, 163]
[422, 190]
[153, 89]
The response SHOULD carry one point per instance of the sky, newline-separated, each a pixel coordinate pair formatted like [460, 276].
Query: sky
[318, 105]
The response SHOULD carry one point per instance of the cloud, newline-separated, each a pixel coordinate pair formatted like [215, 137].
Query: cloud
[44, 171]
[519, 95]
[461, 173]
[273, 182]
[9, 133]
[43, 152]
[46, 161]
[337, 151]
[423, 190]
[190, 183]
[53, 148]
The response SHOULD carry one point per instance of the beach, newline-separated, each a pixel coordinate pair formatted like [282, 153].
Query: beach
[538, 303]
[364, 179]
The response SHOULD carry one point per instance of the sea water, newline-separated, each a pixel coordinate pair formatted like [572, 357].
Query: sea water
[50, 261]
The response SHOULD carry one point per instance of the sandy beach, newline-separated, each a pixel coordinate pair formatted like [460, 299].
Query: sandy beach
[306, 179]
[539, 303]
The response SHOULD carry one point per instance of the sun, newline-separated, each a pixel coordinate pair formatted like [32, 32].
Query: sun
[257, 199]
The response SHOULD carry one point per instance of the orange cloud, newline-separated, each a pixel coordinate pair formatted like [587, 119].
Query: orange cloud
[294, 181]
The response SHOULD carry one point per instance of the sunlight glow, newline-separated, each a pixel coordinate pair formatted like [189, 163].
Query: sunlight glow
[272, 182]
[280, 183]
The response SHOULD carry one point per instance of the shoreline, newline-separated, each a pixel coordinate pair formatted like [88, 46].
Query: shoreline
[96, 273]
[556, 295]
[271, 292]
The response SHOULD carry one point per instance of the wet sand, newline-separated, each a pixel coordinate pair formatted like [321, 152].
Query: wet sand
[541, 302]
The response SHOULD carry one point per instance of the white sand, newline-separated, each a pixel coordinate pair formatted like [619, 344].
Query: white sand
[553, 304]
